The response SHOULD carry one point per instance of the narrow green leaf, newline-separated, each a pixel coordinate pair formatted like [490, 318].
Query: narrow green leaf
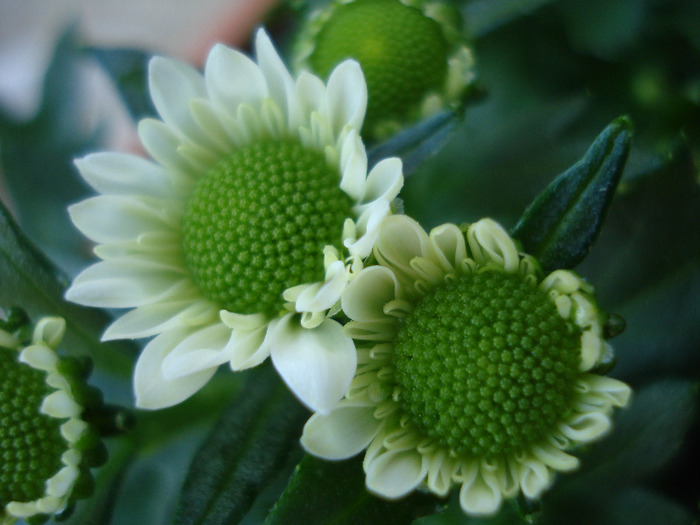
[334, 493]
[244, 453]
[28, 279]
[414, 145]
[562, 223]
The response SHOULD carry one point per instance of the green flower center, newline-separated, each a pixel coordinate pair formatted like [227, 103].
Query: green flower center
[403, 53]
[257, 222]
[486, 365]
[31, 444]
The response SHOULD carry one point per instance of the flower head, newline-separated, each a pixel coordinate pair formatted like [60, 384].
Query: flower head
[411, 52]
[46, 445]
[236, 241]
[473, 370]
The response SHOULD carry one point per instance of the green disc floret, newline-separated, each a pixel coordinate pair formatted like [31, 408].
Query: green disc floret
[486, 365]
[31, 444]
[257, 222]
[403, 53]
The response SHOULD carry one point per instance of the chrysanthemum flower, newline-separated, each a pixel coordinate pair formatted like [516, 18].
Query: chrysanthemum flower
[235, 243]
[411, 51]
[46, 445]
[473, 370]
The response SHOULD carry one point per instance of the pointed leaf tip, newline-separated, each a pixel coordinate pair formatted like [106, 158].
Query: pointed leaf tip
[562, 223]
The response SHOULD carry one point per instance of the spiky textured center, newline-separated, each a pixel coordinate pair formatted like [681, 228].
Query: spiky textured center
[257, 222]
[31, 444]
[403, 53]
[486, 365]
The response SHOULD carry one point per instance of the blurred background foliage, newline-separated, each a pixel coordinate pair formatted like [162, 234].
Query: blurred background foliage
[553, 74]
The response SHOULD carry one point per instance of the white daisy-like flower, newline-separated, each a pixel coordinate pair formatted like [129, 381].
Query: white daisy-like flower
[46, 445]
[473, 369]
[235, 242]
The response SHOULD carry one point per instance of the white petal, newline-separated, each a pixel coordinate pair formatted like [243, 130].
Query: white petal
[112, 218]
[534, 476]
[206, 348]
[347, 96]
[121, 174]
[395, 473]
[172, 86]
[615, 392]
[152, 390]
[490, 243]
[344, 432]
[317, 364]
[353, 166]
[40, 357]
[233, 79]
[124, 283]
[153, 319]
[480, 493]
[365, 297]
[279, 81]
[555, 458]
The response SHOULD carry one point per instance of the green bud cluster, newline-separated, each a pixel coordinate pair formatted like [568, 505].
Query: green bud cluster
[486, 365]
[257, 222]
[403, 53]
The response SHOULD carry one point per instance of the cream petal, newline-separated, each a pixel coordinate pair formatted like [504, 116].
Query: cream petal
[214, 123]
[384, 181]
[172, 86]
[203, 349]
[121, 174]
[371, 330]
[368, 223]
[153, 319]
[343, 433]
[450, 246]
[322, 296]
[279, 81]
[365, 297]
[162, 144]
[113, 218]
[441, 468]
[586, 427]
[62, 482]
[613, 391]
[310, 92]
[40, 357]
[534, 476]
[400, 240]
[490, 243]
[124, 283]
[60, 404]
[347, 96]
[317, 364]
[480, 493]
[395, 473]
[353, 166]
[233, 79]
[555, 458]
[152, 390]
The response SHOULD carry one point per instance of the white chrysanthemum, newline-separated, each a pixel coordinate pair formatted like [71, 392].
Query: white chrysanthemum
[236, 243]
[43, 435]
[472, 369]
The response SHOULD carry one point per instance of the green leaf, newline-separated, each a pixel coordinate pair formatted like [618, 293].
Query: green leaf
[334, 493]
[562, 223]
[29, 280]
[244, 453]
[414, 145]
